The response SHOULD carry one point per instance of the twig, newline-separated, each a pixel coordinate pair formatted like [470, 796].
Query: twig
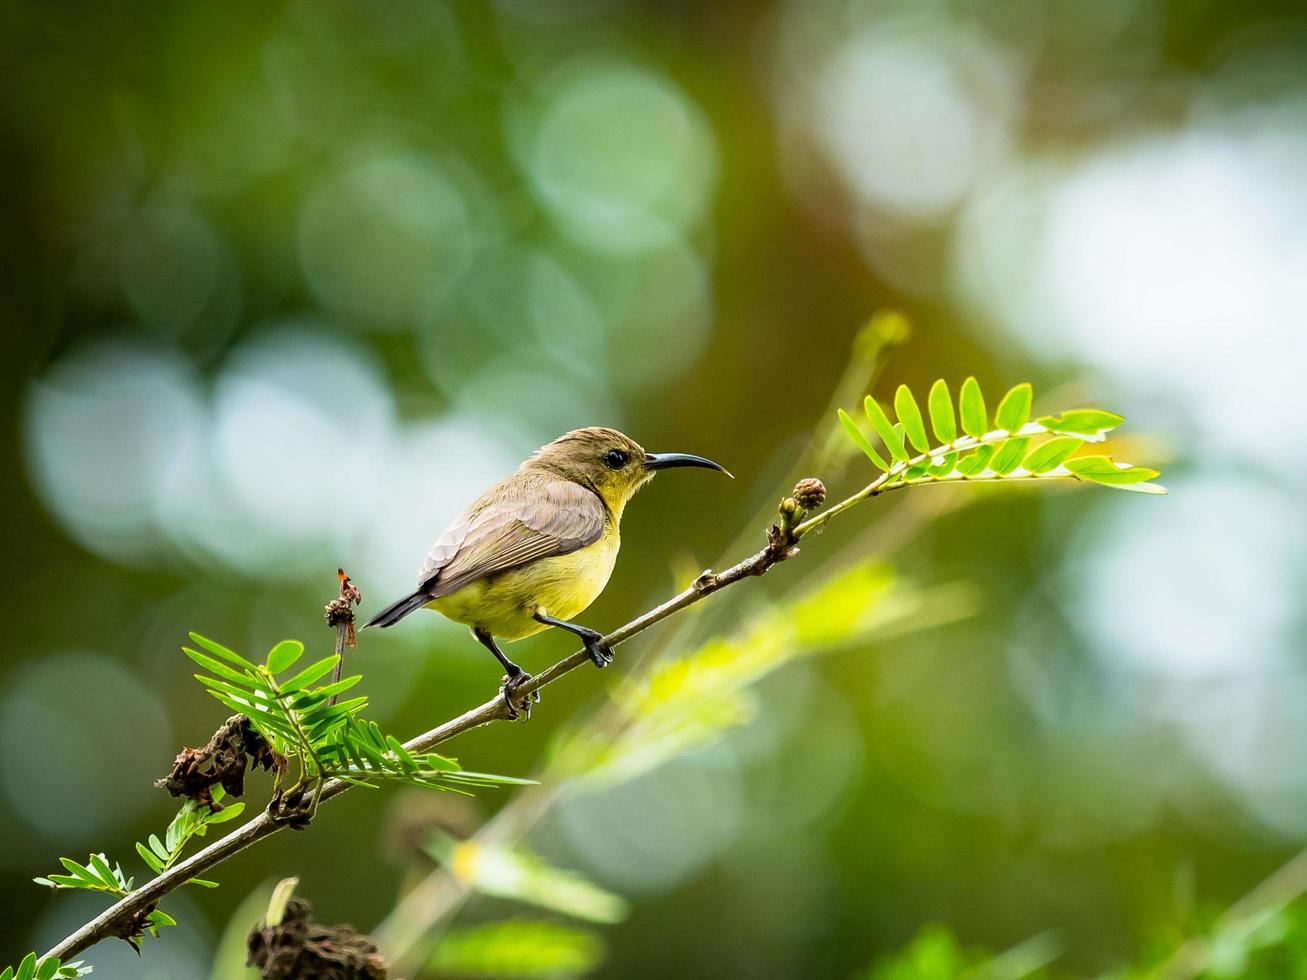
[780, 547]
[340, 616]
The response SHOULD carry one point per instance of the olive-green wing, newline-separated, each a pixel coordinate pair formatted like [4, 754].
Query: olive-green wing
[522, 524]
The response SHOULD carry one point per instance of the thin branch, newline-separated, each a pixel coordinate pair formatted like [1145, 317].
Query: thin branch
[108, 922]
[340, 617]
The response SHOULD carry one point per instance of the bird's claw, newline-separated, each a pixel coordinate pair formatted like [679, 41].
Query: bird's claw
[600, 652]
[522, 707]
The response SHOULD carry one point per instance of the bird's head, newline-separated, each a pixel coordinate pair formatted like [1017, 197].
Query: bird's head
[611, 464]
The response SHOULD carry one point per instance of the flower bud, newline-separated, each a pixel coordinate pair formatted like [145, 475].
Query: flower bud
[810, 493]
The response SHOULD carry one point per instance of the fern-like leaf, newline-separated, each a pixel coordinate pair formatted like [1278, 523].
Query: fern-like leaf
[1015, 449]
[45, 968]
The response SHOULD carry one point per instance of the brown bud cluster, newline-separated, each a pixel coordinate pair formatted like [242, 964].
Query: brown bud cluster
[223, 761]
[810, 493]
[340, 612]
[297, 948]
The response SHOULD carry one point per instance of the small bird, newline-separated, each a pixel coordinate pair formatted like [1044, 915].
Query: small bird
[537, 548]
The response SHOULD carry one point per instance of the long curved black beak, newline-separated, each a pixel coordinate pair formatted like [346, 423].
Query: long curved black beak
[667, 461]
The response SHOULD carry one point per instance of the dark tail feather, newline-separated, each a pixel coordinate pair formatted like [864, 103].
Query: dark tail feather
[396, 611]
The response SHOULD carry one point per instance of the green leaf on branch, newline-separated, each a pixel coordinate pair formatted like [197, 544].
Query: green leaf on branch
[972, 408]
[861, 441]
[311, 674]
[975, 463]
[940, 404]
[95, 875]
[1016, 449]
[1109, 473]
[891, 437]
[221, 652]
[1052, 454]
[192, 820]
[1092, 424]
[1009, 456]
[905, 406]
[284, 655]
[1014, 410]
[45, 968]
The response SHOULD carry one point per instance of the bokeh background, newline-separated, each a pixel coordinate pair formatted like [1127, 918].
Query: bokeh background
[286, 283]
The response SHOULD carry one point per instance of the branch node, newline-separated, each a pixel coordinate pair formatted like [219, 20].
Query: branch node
[704, 582]
[131, 928]
[291, 810]
[808, 495]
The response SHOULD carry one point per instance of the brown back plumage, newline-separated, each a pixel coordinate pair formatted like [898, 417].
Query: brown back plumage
[557, 502]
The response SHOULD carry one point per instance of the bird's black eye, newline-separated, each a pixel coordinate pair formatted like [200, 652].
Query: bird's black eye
[615, 459]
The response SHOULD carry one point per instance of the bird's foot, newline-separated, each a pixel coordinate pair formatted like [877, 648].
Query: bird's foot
[600, 652]
[518, 707]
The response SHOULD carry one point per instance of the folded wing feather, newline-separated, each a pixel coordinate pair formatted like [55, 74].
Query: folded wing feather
[521, 524]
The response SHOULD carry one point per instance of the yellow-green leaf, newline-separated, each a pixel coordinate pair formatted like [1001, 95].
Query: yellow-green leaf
[1014, 410]
[971, 406]
[1088, 423]
[909, 413]
[943, 465]
[218, 650]
[1052, 453]
[940, 404]
[1009, 457]
[976, 462]
[861, 440]
[284, 654]
[1109, 473]
[885, 429]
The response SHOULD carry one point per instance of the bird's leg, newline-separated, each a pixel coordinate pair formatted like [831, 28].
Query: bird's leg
[593, 641]
[515, 678]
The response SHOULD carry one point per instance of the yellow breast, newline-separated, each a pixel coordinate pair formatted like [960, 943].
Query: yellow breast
[561, 587]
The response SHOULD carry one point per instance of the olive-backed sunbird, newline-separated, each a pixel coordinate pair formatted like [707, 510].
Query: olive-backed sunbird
[537, 548]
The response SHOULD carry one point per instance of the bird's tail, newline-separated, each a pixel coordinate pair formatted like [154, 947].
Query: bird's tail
[396, 611]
